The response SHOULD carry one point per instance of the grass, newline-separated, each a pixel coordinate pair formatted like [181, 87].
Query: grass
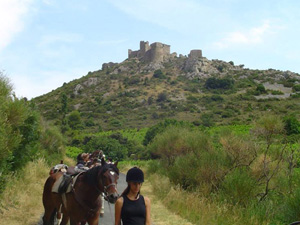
[196, 208]
[21, 202]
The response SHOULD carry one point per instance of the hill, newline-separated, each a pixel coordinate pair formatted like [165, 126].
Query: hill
[153, 84]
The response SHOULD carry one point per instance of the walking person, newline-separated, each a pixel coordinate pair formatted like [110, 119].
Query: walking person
[132, 208]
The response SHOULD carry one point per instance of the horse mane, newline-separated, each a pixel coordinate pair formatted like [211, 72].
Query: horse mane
[91, 174]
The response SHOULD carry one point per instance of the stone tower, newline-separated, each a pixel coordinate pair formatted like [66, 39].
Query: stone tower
[156, 52]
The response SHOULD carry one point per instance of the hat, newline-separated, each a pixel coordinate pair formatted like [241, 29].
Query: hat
[135, 175]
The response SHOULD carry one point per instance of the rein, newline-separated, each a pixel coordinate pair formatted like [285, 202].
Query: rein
[92, 211]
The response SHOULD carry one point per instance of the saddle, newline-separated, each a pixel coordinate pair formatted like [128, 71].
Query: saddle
[64, 183]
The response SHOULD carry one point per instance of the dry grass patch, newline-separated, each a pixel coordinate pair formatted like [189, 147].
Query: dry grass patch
[21, 202]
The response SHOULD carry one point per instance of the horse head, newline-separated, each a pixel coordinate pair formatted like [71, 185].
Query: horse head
[109, 179]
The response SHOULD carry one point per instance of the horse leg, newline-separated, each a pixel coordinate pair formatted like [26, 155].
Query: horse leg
[49, 216]
[65, 217]
[94, 220]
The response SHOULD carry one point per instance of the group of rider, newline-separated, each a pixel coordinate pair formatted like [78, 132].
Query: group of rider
[131, 208]
[85, 162]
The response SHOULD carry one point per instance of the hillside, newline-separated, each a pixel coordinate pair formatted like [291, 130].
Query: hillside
[138, 93]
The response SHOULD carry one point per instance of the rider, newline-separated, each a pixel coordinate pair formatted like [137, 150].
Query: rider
[132, 207]
[82, 160]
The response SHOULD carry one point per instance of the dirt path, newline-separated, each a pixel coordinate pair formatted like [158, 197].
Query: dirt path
[160, 215]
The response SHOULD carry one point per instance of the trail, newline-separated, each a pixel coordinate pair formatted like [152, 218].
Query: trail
[160, 215]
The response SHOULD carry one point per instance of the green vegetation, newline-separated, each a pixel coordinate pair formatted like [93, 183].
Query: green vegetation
[246, 170]
[24, 135]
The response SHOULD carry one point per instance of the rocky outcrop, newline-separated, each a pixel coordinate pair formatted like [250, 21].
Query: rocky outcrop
[108, 65]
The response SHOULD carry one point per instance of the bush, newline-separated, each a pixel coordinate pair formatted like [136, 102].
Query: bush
[162, 97]
[74, 120]
[238, 187]
[73, 152]
[111, 147]
[296, 88]
[215, 83]
[160, 127]
[159, 74]
[291, 125]
[260, 89]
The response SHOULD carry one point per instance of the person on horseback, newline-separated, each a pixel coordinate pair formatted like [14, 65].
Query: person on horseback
[132, 207]
[82, 160]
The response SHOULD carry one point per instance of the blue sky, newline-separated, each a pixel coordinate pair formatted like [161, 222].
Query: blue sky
[44, 43]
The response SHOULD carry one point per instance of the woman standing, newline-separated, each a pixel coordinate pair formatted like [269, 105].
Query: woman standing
[132, 208]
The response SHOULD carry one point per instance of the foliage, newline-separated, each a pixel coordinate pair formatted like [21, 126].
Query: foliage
[215, 83]
[249, 170]
[110, 146]
[162, 97]
[74, 120]
[160, 127]
[73, 152]
[291, 125]
[260, 89]
[24, 135]
[296, 88]
[159, 74]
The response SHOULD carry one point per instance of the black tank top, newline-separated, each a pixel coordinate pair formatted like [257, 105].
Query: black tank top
[133, 211]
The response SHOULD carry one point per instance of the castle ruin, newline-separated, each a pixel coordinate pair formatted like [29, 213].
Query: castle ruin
[157, 52]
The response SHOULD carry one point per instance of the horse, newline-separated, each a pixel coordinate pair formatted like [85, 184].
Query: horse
[83, 203]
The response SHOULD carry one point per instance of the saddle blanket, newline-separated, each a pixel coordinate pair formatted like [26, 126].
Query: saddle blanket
[59, 181]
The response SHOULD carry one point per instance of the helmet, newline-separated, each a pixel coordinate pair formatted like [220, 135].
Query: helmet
[135, 175]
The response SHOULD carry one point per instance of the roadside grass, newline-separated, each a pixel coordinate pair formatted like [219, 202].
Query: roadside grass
[198, 209]
[21, 202]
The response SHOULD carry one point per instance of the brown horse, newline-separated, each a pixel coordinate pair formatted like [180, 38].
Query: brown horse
[83, 203]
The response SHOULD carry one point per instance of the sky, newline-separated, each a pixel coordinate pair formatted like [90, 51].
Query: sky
[44, 43]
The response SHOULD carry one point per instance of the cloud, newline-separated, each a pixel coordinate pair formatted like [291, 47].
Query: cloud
[255, 35]
[12, 13]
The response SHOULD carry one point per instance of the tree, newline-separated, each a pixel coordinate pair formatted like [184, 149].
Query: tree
[64, 105]
[215, 83]
[261, 89]
[159, 74]
[162, 97]
[74, 120]
[291, 125]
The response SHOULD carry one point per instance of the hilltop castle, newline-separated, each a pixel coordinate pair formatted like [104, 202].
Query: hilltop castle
[157, 52]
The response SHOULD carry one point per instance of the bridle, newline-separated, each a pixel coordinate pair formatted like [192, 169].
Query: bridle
[91, 211]
[106, 187]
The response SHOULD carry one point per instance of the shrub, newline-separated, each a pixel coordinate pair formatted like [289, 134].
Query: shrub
[261, 89]
[159, 74]
[160, 127]
[296, 88]
[215, 83]
[73, 152]
[291, 125]
[162, 97]
[239, 187]
[74, 120]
